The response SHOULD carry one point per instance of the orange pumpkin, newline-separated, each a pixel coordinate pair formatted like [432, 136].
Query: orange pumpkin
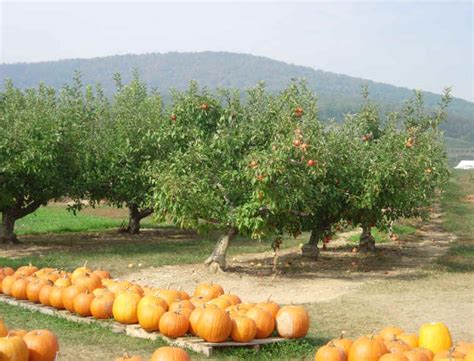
[435, 336]
[416, 355]
[89, 281]
[464, 347]
[390, 333]
[342, 342]
[208, 290]
[80, 271]
[397, 346]
[270, 306]
[244, 329]
[194, 320]
[82, 304]
[170, 354]
[292, 322]
[68, 296]
[44, 294]
[173, 324]
[170, 296]
[366, 348]
[149, 316]
[26, 271]
[125, 307]
[18, 289]
[411, 339]
[101, 306]
[153, 300]
[330, 352]
[102, 274]
[33, 289]
[232, 299]
[185, 304]
[8, 271]
[263, 320]
[427, 352]
[13, 348]
[214, 325]
[56, 297]
[7, 284]
[42, 345]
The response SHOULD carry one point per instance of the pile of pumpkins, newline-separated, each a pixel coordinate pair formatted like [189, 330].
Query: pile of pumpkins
[209, 313]
[21, 345]
[432, 343]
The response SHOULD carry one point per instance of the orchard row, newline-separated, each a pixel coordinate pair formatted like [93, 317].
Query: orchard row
[258, 164]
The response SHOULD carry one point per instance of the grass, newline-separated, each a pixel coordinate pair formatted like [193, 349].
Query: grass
[458, 218]
[382, 236]
[76, 339]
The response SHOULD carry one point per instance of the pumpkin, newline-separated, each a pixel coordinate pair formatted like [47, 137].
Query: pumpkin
[220, 302]
[42, 345]
[101, 305]
[13, 348]
[33, 289]
[233, 299]
[366, 348]
[8, 271]
[80, 271]
[56, 297]
[26, 271]
[390, 333]
[126, 357]
[411, 339]
[208, 290]
[3, 329]
[194, 319]
[63, 281]
[169, 296]
[68, 296]
[448, 355]
[416, 355]
[342, 342]
[270, 306]
[7, 284]
[153, 300]
[18, 332]
[330, 352]
[397, 346]
[214, 325]
[149, 316]
[185, 304]
[199, 301]
[102, 274]
[393, 357]
[292, 322]
[170, 354]
[427, 352]
[125, 305]
[469, 356]
[263, 320]
[82, 304]
[89, 281]
[435, 336]
[44, 294]
[244, 329]
[183, 294]
[18, 289]
[173, 324]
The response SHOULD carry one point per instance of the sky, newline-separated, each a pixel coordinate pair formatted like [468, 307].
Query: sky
[415, 44]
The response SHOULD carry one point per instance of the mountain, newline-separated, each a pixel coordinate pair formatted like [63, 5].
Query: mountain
[337, 93]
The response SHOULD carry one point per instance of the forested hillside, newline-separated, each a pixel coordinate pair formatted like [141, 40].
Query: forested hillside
[338, 94]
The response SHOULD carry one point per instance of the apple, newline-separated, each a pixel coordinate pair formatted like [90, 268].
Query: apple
[173, 117]
[311, 163]
[296, 143]
[204, 106]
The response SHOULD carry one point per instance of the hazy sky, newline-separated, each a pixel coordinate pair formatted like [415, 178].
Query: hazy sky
[426, 45]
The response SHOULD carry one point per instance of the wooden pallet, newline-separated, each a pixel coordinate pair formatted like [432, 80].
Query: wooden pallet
[192, 343]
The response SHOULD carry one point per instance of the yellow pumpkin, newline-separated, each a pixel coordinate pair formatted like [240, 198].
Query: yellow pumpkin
[435, 336]
[469, 356]
[125, 306]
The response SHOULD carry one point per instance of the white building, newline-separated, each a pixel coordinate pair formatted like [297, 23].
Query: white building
[465, 164]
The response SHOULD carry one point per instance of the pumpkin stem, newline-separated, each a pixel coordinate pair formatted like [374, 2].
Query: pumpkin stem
[269, 297]
[85, 264]
[343, 333]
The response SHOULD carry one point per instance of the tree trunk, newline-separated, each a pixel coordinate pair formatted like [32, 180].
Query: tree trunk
[367, 241]
[7, 231]
[310, 249]
[135, 215]
[217, 260]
